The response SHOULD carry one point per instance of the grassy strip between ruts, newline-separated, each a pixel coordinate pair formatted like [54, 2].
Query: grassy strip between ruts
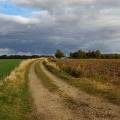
[90, 86]
[46, 81]
[15, 101]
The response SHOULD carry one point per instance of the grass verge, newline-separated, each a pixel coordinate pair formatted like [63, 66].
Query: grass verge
[104, 90]
[15, 101]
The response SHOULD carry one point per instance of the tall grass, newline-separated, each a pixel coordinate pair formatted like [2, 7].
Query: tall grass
[6, 66]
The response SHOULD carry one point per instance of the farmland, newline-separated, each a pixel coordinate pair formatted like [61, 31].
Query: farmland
[60, 89]
[96, 77]
[6, 66]
[104, 70]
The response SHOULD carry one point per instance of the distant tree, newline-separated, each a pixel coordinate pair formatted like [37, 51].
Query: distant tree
[78, 54]
[81, 54]
[59, 54]
[71, 55]
[88, 54]
[97, 54]
[93, 54]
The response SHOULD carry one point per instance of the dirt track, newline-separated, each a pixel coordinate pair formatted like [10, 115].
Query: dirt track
[52, 106]
[47, 103]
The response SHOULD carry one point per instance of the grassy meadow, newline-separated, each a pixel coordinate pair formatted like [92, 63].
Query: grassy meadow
[7, 65]
[98, 77]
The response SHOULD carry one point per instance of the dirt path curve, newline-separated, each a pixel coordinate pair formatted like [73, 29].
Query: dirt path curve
[95, 108]
[48, 104]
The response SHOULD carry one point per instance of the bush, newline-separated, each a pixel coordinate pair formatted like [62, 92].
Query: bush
[73, 72]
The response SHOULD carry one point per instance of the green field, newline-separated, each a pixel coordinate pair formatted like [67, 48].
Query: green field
[6, 66]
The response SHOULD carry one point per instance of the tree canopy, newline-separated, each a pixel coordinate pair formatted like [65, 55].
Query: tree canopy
[93, 54]
[59, 54]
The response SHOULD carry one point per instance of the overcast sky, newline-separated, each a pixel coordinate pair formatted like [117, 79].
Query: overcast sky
[42, 26]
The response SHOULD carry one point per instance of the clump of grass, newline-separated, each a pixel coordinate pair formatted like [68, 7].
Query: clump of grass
[91, 86]
[46, 81]
[73, 72]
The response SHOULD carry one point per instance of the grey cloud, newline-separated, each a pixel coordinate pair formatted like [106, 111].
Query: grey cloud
[64, 24]
[50, 4]
[7, 51]
[4, 51]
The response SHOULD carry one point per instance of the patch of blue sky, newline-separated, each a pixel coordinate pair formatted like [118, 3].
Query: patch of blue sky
[11, 9]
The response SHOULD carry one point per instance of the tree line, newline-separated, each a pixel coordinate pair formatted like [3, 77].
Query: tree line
[21, 56]
[80, 54]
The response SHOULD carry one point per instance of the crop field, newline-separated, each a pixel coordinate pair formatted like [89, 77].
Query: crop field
[104, 70]
[6, 66]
